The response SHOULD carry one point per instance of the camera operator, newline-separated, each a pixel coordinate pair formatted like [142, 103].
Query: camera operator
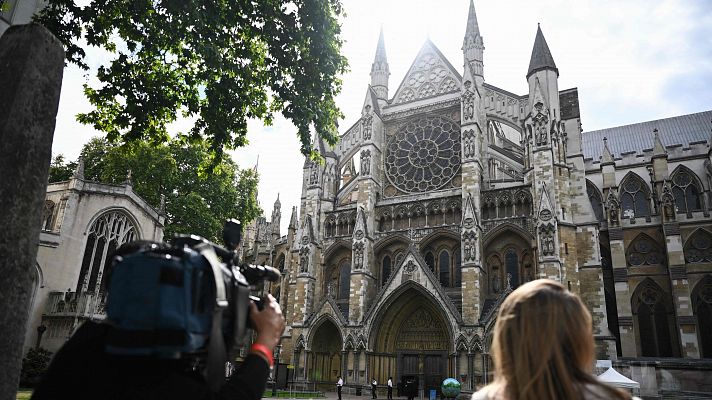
[82, 369]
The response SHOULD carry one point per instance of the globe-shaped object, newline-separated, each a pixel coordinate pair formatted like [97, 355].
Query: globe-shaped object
[450, 388]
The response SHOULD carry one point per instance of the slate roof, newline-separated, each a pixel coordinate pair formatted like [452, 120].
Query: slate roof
[541, 56]
[681, 130]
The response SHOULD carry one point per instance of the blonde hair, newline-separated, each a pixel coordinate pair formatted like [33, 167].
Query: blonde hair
[543, 346]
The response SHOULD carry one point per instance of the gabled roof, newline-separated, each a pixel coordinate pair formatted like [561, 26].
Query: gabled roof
[430, 74]
[541, 56]
[681, 130]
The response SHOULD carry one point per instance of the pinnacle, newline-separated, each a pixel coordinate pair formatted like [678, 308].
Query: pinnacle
[381, 48]
[473, 28]
[541, 55]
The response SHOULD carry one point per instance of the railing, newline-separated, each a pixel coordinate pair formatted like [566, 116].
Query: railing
[71, 304]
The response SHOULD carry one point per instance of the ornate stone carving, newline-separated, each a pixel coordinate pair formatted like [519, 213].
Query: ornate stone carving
[409, 267]
[469, 245]
[468, 143]
[358, 235]
[314, 173]
[424, 154]
[358, 255]
[367, 123]
[546, 239]
[366, 162]
[304, 259]
[468, 103]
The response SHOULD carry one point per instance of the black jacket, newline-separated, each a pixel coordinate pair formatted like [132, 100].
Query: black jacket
[82, 370]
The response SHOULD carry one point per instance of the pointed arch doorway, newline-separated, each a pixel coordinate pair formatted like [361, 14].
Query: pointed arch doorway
[325, 356]
[412, 342]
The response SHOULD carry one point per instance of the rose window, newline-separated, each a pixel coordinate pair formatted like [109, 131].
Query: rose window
[424, 154]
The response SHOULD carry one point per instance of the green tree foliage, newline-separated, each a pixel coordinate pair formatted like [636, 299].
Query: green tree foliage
[220, 62]
[60, 170]
[34, 365]
[195, 202]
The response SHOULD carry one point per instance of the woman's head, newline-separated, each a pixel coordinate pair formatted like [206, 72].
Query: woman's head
[543, 343]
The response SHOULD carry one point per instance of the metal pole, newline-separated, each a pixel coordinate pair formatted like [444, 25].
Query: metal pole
[278, 349]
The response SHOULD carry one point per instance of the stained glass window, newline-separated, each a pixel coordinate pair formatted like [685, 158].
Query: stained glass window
[686, 192]
[698, 248]
[645, 251]
[424, 154]
[595, 198]
[634, 197]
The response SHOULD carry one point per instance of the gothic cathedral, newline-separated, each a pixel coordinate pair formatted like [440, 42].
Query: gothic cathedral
[449, 192]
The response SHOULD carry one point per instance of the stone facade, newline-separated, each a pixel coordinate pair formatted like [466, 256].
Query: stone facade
[447, 195]
[82, 223]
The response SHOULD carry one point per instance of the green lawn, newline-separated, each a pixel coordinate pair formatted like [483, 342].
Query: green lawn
[24, 394]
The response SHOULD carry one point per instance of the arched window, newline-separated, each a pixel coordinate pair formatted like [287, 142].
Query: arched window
[344, 280]
[594, 196]
[511, 261]
[458, 269]
[280, 263]
[702, 307]
[48, 216]
[644, 250]
[634, 197]
[653, 317]
[686, 191]
[698, 248]
[385, 270]
[430, 260]
[106, 234]
[444, 268]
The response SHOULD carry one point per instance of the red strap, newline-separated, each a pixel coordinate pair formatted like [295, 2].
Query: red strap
[262, 349]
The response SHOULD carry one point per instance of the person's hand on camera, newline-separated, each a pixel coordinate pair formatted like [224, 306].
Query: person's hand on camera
[268, 323]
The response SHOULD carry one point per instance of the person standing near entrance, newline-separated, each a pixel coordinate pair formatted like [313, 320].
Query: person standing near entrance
[373, 388]
[339, 384]
[390, 388]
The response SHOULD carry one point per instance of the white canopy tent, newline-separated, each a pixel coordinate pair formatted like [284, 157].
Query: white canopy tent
[616, 379]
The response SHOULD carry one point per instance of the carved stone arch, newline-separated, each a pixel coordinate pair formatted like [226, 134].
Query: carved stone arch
[595, 197]
[653, 317]
[361, 345]
[106, 210]
[476, 345]
[461, 344]
[634, 197]
[436, 235]
[494, 117]
[698, 247]
[507, 226]
[301, 344]
[391, 239]
[644, 250]
[385, 308]
[319, 321]
[336, 247]
[702, 308]
[687, 190]
[349, 343]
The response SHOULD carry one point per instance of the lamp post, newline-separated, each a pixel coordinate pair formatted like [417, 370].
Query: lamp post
[40, 331]
[277, 352]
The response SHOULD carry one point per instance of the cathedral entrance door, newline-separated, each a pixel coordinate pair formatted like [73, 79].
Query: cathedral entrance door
[433, 372]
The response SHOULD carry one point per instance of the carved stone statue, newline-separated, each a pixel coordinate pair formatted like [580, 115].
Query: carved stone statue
[366, 162]
[367, 124]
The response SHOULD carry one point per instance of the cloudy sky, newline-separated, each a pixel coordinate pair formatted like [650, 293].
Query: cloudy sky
[632, 61]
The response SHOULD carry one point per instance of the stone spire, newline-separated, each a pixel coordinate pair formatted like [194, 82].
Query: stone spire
[607, 157]
[276, 217]
[658, 146]
[472, 45]
[473, 29]
[293, 219]
[541, 56]
[79, 171]
[379, 70]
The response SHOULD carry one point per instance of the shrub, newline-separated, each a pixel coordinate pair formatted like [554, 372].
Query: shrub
[34, 365]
